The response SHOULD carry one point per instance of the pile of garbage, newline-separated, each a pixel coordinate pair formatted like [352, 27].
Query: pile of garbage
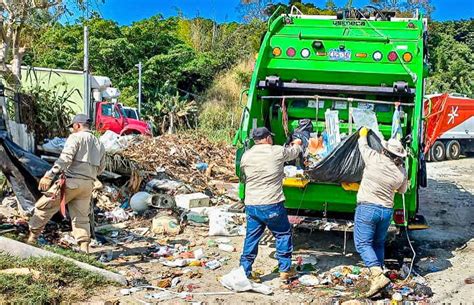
[348, 282]
[187, 158]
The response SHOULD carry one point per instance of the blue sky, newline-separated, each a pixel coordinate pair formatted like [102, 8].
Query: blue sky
[127, 11]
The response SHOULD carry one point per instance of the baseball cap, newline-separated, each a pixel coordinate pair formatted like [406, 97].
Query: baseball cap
[261, 133]
[80, 118]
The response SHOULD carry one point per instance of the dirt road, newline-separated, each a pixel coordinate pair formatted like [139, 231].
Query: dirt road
[445, 252]
[447, 249]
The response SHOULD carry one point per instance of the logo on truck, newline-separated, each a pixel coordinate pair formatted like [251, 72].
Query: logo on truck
[453, 114]
[348, 23]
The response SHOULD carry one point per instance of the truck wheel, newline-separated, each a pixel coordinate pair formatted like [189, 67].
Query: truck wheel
[438, 151]
[453, 150]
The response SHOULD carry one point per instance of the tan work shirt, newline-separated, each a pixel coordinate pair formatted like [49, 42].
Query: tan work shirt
[83, 157]
[262, 166]
[381, 177]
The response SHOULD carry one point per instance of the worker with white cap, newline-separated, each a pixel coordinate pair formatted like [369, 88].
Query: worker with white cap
[384, 174]
[70, 182]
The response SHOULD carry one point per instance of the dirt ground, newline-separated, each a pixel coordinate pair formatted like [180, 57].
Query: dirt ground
[445, 251]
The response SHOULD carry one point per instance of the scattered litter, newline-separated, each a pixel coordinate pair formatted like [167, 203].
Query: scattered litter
[117, 215]
[308, 280]
[140, 202]
[198, 254]
[213, 265]
[188, 201]
[176, 263]
[226, 247]
[225, 224]
[236, 280]
[397, 297]
[165, 225]
[166, 185]
[175, 281]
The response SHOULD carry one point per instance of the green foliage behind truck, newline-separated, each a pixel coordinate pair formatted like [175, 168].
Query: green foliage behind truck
[324, 58]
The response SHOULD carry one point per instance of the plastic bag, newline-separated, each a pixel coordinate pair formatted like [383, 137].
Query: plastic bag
[222, 223]
[344, 163]
[55, 145]
[332, 128]
[366, 118]
[236, 280]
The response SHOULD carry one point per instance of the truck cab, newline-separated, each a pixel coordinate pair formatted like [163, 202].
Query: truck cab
[110, 116]
[308, 65]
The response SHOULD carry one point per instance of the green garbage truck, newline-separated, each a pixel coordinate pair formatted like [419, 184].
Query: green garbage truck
[358, 60]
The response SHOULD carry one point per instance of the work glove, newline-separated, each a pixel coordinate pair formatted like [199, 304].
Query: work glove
[45, 183]
[363, 132]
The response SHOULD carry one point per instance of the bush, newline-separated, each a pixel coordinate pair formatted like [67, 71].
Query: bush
[220, 115]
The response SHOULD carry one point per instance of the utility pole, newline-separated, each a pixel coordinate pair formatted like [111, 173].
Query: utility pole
[87, 90]
[87, 83]
[139, 66]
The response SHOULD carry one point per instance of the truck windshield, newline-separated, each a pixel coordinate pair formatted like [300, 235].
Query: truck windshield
[130, 113]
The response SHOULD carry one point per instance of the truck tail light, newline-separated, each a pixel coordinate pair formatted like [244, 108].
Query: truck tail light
[305, 53]
[399, 217]
[290, 52]
[276, 51]
[407, 57]
[377, 56]
[361, 55]
[392, 56]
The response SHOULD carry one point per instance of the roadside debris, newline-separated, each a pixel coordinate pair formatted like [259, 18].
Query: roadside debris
[236, 280]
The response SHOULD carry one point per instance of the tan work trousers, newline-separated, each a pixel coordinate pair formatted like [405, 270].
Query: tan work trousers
[78, 200]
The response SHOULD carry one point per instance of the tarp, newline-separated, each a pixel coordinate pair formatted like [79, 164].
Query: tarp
[344, 163]
[23, 170]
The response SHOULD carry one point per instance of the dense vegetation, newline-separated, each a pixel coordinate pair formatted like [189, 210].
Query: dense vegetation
[185, 60]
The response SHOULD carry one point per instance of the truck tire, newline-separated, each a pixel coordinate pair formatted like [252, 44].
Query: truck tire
[453, 150]
[438, 151]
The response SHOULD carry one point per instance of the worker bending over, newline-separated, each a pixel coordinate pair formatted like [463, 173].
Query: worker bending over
[262, 170]
[81, 160]
[383, 175]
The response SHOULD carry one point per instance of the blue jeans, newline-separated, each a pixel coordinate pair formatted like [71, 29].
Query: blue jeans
[370, 229]
[274, 217]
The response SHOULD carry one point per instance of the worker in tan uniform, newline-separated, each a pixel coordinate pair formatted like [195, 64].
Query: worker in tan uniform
[262, 171]
[384, 174]
[81, 160]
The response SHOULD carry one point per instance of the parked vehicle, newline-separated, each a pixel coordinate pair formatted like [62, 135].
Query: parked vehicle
[449, 126]
[309, 64]
[110, 116]
[130, 112]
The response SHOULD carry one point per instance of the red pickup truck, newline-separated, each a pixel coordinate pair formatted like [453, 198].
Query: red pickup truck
[110, 116]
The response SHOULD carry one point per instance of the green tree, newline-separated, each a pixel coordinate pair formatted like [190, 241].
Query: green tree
[452, 66]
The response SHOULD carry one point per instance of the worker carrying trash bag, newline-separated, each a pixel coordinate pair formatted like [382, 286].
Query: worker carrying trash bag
[262, 171]
[73, 174]
[384, 174]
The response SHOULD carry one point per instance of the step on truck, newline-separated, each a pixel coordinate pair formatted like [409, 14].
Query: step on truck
[358, 59]
[449, 126]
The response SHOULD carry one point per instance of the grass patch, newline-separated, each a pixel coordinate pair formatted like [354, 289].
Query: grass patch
[60, 281]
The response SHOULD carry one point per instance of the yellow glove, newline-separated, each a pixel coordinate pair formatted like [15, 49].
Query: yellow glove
[45, 183]
[363, 132]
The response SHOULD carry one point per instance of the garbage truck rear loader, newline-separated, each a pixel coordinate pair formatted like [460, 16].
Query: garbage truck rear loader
[308, 65]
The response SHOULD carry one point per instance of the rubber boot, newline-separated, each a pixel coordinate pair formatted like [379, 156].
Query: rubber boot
[286, 276]
[84, 247]
[378, 280]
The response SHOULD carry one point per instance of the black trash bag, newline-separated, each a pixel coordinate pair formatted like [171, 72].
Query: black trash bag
[344, 163]
[303, 132]
[23, 170]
